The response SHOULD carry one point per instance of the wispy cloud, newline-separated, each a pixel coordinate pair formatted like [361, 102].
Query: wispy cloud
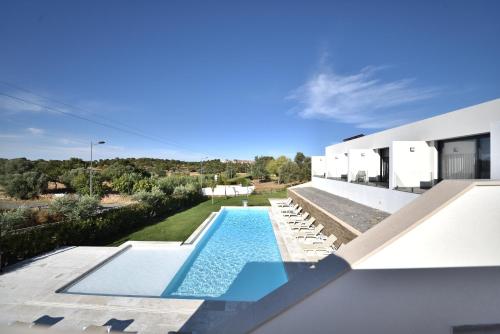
[36, 131]
[362, 99]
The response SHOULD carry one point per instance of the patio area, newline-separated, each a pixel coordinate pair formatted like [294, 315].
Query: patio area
[28, 293]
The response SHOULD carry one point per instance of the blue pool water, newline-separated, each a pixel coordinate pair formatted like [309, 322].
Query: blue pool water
[235, 259]
[238, 259]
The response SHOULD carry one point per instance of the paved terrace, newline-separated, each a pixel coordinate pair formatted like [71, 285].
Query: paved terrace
[358, 216]
[28, 292]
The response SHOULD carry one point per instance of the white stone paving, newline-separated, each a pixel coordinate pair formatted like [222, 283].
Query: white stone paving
[28, 291]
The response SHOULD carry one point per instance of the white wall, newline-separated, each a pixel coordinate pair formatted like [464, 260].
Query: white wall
[464, 122]
[495, 150]
[318, 165]
[379, 198]
[367, 160]
[409, 168]
[415, 301]
[228, 190]
[464, 233]
[337, 165]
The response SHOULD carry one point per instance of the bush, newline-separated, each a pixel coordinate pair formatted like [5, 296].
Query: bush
[26, 185]
[144, 185]
[169, 183]
[73, 208]
[126, 182]
[154, 198]
[95, 230]
[78, 180]
[15, 219]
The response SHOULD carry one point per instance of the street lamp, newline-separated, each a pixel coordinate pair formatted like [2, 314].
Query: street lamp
[91, 160]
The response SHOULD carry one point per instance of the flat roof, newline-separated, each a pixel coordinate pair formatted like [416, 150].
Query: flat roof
[359, 216]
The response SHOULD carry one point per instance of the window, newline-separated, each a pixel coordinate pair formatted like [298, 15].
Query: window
[465, 158]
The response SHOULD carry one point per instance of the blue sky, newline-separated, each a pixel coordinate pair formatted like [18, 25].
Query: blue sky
[234, 79]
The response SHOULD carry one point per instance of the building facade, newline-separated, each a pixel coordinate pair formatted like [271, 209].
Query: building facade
[463, 144]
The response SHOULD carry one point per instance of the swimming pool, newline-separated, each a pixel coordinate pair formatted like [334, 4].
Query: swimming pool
[235, 259]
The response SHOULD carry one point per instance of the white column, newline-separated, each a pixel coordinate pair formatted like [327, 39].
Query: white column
[495, 150]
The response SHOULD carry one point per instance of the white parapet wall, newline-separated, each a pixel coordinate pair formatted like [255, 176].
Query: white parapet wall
[465, 233]
[363, 160]
[228, 190]
[318, 165]
[384, 199]
[413, 162]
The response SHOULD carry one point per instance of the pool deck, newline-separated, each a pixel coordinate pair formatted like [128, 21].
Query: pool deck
[28, 292]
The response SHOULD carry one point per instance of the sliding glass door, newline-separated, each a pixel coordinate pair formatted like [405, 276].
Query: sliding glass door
[465, 158]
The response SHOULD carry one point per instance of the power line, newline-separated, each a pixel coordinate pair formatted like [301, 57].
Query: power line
[17, 87]
[79, 117]
[136, 131]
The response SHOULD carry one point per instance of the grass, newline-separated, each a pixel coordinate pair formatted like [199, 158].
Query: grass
[180, 226]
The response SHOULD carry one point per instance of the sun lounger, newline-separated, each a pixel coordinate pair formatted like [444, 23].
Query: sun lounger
[326, 246]
[298, 219]
[293, 212]
[286, 203]
[310, 233]
[306, 225]
[290, 209]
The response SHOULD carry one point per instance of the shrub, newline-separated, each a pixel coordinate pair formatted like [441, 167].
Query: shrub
[78, 180]
[26, 185]
[143, 185]
[125, 183]
[167, 184]
[154, 198]
[73, 208]
[17, 218]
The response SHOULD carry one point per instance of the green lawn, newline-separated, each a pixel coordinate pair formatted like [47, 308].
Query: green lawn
[180, 226]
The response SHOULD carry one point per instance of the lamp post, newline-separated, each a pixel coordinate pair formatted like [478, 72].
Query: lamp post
[91, 160]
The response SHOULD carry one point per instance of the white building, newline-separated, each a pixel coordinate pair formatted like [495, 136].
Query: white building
[463, 144]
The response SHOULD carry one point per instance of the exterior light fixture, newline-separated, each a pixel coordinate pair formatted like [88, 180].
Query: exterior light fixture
[412, 149]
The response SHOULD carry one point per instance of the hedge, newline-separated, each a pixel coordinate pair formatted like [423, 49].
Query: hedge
[99, 230]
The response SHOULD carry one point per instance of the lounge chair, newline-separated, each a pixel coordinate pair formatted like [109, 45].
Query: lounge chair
[310, 233]
[286, 203]
[302, 218]
[326, 246]
[307, 225]
[292, 213]
[290, 209]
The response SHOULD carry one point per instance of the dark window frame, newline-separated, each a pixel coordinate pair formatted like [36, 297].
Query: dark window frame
[476, 138]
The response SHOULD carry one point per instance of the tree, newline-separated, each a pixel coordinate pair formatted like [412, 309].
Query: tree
[289, 172]
[259, 170]
[78, 180]
[26, 185]
[274, 166]
[304, 164]
[125, 183]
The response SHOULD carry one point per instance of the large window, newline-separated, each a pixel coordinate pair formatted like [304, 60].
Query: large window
[465, 158]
